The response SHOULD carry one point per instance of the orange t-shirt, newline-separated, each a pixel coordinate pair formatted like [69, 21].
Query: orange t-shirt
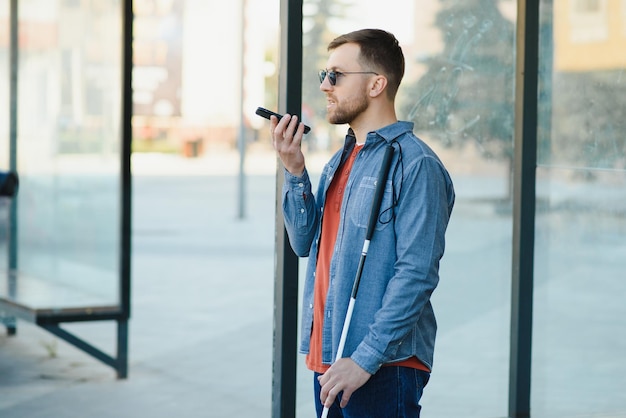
[330, 225]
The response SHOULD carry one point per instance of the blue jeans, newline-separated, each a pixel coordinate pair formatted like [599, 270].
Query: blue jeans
[393, 392]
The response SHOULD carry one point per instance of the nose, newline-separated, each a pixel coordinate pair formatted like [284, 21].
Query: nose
[325, 84]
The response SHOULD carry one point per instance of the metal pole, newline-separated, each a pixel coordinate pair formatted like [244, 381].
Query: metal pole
[12, 260]
[13, 74]
[525, 162]
[126, 191]
[242, 128]
[286, 270]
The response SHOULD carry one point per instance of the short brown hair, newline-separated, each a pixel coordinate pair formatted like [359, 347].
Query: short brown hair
[380, 52]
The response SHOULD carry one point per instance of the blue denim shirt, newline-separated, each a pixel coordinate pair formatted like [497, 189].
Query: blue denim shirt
[393, 318]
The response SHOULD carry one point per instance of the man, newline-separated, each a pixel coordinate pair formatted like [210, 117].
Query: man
[389, 348]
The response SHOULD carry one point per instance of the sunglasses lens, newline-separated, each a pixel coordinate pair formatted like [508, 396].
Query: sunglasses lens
[332, 76]
[322, 75]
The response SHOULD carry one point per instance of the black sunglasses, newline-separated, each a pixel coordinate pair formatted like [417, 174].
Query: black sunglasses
[332, 75]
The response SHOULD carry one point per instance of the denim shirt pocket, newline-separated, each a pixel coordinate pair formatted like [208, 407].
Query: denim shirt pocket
[361, 199]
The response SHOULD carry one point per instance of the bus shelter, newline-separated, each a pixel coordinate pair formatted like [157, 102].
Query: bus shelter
[65, 237]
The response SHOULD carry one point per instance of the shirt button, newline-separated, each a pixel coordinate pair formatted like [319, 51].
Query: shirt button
[310, 306]
[301, 210]
[300, 184]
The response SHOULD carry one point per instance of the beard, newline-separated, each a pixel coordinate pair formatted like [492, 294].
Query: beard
[348, 112]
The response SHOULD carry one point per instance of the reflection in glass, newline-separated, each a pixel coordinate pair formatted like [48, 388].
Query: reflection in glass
[458, 89]
[69, 103]
[4, 128]
[579, 330]
[4, 84]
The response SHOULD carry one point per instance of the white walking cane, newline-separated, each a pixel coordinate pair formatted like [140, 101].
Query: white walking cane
[378, 198]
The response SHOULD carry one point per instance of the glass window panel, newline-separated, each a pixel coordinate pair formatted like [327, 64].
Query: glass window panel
[458, 89]
[69, 107]
[623, 19]
[579, 335]
[4, 83]
[588, 20]
[4, 129]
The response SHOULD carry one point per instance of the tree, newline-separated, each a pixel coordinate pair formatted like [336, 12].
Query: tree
[467, 92]
[317, 18]
[589, 125]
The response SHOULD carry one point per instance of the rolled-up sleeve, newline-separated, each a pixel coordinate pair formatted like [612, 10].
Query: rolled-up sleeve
[300, 212]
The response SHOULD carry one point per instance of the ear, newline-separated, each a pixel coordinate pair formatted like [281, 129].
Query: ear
[378, 86]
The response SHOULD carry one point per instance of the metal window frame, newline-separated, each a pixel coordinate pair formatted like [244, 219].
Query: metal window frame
[524, 199]
[284, 367]
[51, 319]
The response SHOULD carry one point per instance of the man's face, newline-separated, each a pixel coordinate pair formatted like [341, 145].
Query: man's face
[348, 98]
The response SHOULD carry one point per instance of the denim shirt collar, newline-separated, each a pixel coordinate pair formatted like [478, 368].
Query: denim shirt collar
[387, 133]
[391, 132]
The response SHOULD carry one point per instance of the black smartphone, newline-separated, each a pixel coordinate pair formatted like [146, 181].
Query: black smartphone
[267, 113]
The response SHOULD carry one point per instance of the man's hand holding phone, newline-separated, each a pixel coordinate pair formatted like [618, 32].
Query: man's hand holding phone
[287, 136]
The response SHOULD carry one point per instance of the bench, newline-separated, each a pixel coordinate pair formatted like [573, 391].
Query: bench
[74, 292]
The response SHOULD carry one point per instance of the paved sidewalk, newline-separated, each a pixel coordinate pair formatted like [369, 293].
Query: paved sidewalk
[202, 310]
